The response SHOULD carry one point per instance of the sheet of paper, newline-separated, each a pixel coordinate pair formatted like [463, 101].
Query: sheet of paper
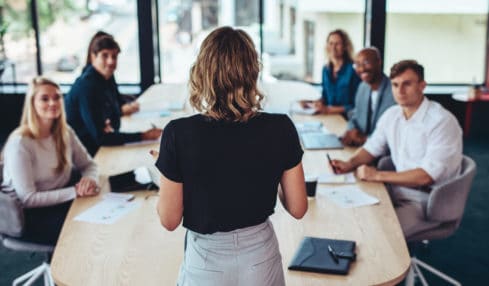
[151, 114]
[348, 196]
[118, 196]
[298, 109]
[107, 211]
[347, 178]
[309, 126]
[144, 142]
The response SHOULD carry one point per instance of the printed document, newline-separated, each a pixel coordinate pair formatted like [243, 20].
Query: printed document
[347, 178]
[109, 210]
[348, 196]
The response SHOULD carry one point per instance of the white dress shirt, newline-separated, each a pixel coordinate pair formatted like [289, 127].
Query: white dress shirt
[431, 139]
[373, 102]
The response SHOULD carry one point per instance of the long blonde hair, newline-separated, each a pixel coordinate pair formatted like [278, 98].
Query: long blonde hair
[29, 122]
[223, 79]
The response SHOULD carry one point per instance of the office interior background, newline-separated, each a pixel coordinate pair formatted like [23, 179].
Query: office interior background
[159, 40]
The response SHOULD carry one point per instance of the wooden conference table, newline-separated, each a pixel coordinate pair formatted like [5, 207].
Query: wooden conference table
[137, 250]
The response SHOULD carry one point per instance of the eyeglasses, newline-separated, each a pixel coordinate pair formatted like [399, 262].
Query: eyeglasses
[364, 63]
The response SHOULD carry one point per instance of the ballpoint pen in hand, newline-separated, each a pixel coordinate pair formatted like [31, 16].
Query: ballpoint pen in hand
[153, 126]
[331, 163]
[333, 254]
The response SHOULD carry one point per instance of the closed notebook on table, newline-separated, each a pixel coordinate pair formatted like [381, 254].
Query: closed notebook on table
[138, 179]
[313, 256]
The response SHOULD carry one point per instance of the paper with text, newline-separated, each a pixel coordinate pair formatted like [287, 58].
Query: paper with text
[107, 211]
[348, 196]
[348, 178]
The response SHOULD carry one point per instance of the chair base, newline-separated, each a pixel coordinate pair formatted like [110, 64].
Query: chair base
[415, 272]
[30, 277]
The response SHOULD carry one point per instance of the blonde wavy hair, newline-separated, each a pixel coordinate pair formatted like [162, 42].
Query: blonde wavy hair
[30, 127]
[223, 79]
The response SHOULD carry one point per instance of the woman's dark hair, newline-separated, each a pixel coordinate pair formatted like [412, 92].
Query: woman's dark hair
[101, 41]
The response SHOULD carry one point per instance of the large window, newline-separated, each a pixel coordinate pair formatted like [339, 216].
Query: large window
[65, 29]
[185, 23]
[17, 43]
[448, 37]
[294, 32]
[67, 26]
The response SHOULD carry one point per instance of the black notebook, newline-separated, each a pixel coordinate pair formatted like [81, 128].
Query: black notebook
[135, 180]
[313, 255]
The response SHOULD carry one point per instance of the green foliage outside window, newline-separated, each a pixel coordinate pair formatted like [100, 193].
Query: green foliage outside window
[18, 16]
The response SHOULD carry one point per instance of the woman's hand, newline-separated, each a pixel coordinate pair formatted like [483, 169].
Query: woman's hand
[86, 187]
[108, 126]
[152, 134]
[130, 108]
[154, 153]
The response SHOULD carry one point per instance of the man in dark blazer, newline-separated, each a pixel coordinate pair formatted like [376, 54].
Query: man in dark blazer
[373, 97]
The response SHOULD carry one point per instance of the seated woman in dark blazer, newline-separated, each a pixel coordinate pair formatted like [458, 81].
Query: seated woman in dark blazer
[39, 157]
[127, 102]
[93, 104]
[221, 170]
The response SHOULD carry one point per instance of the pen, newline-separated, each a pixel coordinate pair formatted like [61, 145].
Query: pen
[333, 254]
[331, 163]
[154, 126]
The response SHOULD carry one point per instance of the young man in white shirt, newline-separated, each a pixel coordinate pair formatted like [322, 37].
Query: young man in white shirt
[425, 143]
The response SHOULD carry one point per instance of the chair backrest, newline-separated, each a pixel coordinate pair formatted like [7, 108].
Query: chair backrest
[11, 213]
[446, 202]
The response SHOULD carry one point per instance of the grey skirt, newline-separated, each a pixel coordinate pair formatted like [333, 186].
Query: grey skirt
[247, 256]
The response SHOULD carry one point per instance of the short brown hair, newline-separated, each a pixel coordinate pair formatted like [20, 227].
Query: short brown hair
[223, 79]
[347, 44]
[404, 65]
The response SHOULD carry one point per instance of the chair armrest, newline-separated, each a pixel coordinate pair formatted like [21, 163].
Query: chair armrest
[11, 214]
[385, 164]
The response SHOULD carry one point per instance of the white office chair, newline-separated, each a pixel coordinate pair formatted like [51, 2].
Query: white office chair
[11, 228]
[446, 205]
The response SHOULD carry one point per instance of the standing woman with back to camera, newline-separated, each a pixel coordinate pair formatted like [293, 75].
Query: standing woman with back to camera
[221, 170]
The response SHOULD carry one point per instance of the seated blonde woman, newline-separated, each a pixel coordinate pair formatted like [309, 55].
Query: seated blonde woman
[39, 157]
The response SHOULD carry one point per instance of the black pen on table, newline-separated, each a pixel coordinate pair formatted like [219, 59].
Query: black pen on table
[333, 254]
[331, 163]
